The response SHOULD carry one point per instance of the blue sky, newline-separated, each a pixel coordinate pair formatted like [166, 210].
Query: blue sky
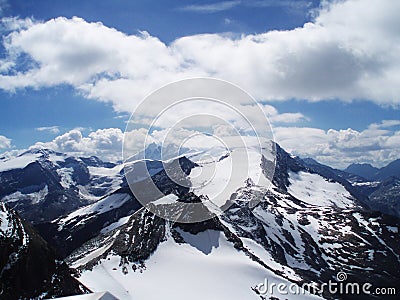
[170, 19]
[329, 82]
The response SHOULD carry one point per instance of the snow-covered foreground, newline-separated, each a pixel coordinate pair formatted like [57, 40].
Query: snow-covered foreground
[206, 267]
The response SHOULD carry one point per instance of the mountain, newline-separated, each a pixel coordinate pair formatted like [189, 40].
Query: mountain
[304, 229]
[70, 231]
[28, 267]
[42, 184]
[391, 170]
[386, 197]
[376, 188]
[224, 258]
[381, 194]
[375, 174]
[364, 170]
[349, 181]
[201, 261]
[302, 226]
[332, 172]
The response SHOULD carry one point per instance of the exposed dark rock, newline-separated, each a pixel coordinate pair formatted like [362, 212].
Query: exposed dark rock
[29, 267]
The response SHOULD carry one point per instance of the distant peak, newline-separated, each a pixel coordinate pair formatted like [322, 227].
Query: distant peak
[362, 169]
[39, 150]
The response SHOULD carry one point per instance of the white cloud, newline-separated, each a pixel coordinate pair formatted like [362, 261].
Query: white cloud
[275, 117]
[385, 124]
[104, 143]
[4, 142]
[9, 24]
[340, 148]
[107, 143]
[349, 52]
[288, 118]
[337, 148]
[211, 7]
[75, 52]
[50, 129]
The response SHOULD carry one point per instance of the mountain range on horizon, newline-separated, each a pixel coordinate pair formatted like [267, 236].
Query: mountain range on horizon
[372, 173]
[313, 222]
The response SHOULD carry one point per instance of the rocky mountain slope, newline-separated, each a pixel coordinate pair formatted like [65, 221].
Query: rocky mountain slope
[377, 189]
[306, 229]
[306, 225]
[28, 267]
[42, 184]
[386, 197]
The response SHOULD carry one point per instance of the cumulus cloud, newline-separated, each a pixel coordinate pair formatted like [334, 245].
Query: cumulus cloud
[340, 148]
[378, 144]
[350, 51]
[4, 142]
[9, 24]
[104, 143]
[50, 129]
[108, 143]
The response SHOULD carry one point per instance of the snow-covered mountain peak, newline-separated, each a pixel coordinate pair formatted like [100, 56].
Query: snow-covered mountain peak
[45, 184]
[211, 173]
[303, 225]
[219, 180]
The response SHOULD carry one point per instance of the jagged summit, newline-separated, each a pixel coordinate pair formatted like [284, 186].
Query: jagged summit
[306, 224]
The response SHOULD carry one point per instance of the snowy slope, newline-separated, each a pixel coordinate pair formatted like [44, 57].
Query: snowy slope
[18, 162]
[304, 229]
[203, 261]
[316, 190]
[301, 240]
[82, 215]
[207, 267]
[70, 231]
[220, 179]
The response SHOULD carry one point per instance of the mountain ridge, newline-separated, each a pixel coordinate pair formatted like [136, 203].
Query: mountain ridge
[371, 173]
[312, 222]
[29, 268]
